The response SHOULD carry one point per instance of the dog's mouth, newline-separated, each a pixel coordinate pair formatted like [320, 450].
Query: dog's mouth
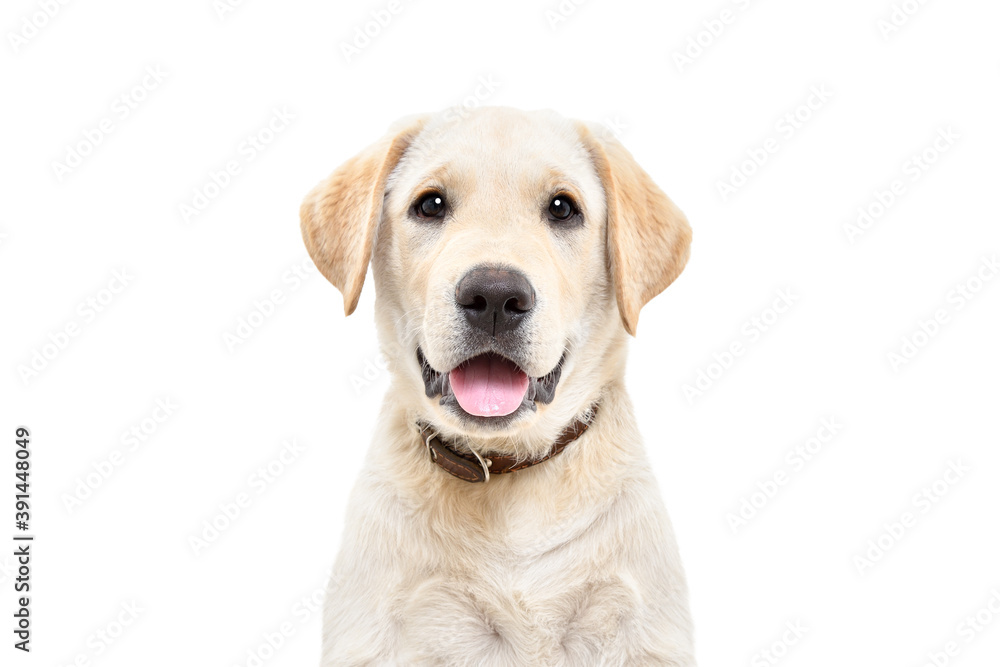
[489, 385]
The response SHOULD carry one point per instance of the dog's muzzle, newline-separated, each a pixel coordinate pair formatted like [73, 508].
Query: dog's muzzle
[489, 385]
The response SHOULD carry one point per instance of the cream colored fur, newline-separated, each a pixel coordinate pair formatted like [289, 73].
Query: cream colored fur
[572, 561]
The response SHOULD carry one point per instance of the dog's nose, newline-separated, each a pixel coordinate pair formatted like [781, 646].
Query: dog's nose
[495, 300]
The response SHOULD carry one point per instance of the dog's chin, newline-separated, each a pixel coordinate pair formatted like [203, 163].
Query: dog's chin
[488, 392]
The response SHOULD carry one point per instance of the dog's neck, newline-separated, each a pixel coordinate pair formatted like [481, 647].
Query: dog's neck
[478, 466]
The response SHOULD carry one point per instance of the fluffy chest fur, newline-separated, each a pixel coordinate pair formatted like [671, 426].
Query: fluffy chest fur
[572, 562]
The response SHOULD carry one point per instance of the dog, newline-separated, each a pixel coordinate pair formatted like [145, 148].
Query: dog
[506, 513]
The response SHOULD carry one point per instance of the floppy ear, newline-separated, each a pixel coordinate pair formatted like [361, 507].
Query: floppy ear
[648, 237]
[339, 217]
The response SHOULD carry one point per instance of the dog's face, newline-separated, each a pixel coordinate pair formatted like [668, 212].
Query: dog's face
[510, 251]
[494, 255]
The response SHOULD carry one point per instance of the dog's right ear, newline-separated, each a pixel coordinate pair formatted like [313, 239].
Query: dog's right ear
[340, 215]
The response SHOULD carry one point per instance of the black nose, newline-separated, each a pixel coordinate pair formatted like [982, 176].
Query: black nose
[495, 300]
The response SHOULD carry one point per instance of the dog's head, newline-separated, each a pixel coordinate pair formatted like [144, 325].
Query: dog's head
[511, 252]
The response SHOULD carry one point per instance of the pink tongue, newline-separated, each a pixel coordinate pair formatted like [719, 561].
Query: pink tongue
[488, 386]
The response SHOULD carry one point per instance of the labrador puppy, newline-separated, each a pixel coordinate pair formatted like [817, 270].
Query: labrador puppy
[506, 513]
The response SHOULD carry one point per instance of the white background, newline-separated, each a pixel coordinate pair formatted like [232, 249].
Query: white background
[300, 375]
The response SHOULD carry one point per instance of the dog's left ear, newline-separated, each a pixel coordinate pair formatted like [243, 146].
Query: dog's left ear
[339, 217]
[648, 236]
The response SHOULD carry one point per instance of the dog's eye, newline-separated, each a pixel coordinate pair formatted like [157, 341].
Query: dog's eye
[562, 208]
[430, 205]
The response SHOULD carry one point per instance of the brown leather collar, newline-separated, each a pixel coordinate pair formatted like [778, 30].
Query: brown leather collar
[471, 468]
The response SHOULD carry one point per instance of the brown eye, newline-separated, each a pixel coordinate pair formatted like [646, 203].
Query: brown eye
[562, 208]
[430, 205]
